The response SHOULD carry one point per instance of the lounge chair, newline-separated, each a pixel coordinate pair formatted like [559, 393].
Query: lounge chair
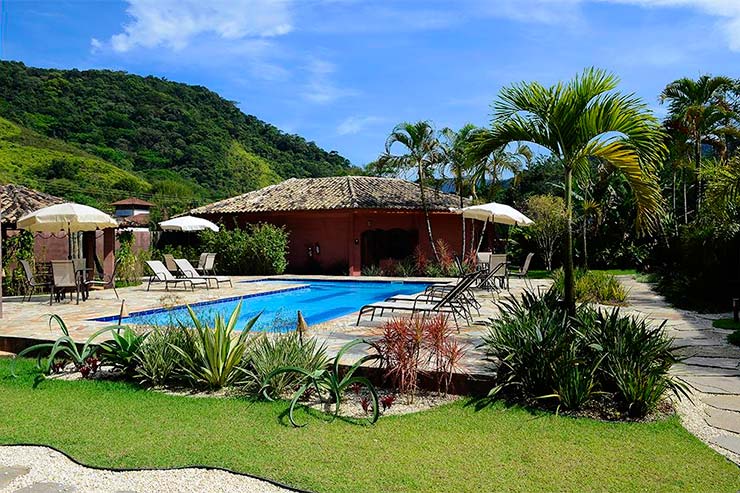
[161, 274]
[202, 262]
[189, 272]
[106, 281]
[437, 291]
[449, 304]
[209, 264]
[64, 280]
[169, 262]
[32, 281]
[522, 272]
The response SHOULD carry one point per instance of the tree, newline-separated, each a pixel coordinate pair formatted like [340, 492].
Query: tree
[487, 170]
[702, 110]
[550, 220]
[454, 147]
[578, 121]
[423, 154]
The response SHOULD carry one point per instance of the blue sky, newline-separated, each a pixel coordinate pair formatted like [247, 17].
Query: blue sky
[343, 72]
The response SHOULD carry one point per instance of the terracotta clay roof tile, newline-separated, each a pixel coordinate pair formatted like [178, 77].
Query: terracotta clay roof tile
[339, 192]
[133, 201]
[16, 201]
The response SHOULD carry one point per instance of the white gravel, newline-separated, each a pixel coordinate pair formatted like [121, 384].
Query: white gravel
[50, 466]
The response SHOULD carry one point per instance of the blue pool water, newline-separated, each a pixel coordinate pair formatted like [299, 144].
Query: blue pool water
[318, 301]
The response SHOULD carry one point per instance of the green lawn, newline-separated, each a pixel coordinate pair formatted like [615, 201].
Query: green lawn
[452, 448]
[728, 323]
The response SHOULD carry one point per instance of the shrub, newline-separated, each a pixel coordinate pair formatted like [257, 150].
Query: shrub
[268, 354]
[593, 286]
[158, 362]
[212, 356]
[372, 270]
[419, 344]
[121, 351]
[261, 249]
[539, 352]
[331, 383]
[131, 264]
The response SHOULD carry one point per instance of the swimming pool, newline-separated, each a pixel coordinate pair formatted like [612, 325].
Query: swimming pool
[318, 301]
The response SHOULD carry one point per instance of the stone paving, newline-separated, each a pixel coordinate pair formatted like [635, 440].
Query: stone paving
[711, 369]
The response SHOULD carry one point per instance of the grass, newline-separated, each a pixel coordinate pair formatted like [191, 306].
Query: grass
[451, 448]
[730, 324]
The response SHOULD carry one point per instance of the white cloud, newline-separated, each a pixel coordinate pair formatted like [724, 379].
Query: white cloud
[95, 45]
[175, 23]
[320, 87]
[356, 124]
[728, 11]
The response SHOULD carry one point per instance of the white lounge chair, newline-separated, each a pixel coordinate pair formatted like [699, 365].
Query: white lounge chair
[161, 274]
[190, 272]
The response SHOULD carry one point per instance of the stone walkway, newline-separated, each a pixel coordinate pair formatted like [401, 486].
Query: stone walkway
[711, 369]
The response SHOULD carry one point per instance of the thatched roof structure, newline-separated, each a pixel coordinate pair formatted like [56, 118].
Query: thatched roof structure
[334, 193]
[16, 201]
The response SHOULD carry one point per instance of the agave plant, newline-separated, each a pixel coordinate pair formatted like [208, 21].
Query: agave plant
[121, 351]
[330, 382]
[64, 347]
[212, 356]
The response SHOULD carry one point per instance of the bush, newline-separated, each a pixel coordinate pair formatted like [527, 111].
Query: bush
[593, 287]
[158, 362]
[419, 344]
[122, 349]
[268, 354]
[212, 357]
[261, 249]
[539, 352]
[131, 264]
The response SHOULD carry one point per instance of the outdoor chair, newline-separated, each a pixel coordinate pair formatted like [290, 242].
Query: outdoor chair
[209, 265]
[161, 274]
[64, 280]
[32, 281]
[169, 262]
[435, 292]
[522, 272]
[106, 281]
[202, 262]
[495, 275]
[483, 260]
[189, 272]
[449, 304]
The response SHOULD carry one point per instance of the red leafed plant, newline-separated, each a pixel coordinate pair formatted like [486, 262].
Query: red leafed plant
[413, 345]
[366, 404]
[420, 260]
[446, 259]
[387, 401]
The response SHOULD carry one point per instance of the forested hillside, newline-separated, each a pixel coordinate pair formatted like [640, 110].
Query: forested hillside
[179, 142]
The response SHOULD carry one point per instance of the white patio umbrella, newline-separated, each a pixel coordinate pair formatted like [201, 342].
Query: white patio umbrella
[497, 213]
[187, 223]
[69, 217]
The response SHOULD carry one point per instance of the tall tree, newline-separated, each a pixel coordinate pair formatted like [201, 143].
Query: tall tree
[703, 112]
[454, 147]
[487, 171]
[583, 119]
[423, 154]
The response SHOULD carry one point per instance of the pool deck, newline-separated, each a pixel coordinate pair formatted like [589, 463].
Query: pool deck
[30, 320]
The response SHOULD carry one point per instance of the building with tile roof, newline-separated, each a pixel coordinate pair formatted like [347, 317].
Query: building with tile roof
[343, 224]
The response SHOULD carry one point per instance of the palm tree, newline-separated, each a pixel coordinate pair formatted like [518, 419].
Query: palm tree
[487, 170]
[576, 122]
[702, 108]
[454, 147]
[423, 154]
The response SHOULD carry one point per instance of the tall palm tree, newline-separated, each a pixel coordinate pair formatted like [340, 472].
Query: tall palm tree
[423, 154]
[702, 108]
[578, 121]
[454, 148]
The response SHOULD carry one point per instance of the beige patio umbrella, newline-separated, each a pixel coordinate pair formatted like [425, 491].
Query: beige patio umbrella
[68, 217]
[495, 213]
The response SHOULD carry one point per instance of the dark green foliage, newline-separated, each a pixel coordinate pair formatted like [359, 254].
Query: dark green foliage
[157, 360]
[593, 287]
[261, 249]
[16, 248]
[147, 123]
[122, 349]
[330, 383]
[541, 353]
[272, 352]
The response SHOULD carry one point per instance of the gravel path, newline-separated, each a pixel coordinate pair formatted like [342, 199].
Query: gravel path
[43, 470]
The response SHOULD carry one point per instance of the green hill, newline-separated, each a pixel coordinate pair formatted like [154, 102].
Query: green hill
[124, 133]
